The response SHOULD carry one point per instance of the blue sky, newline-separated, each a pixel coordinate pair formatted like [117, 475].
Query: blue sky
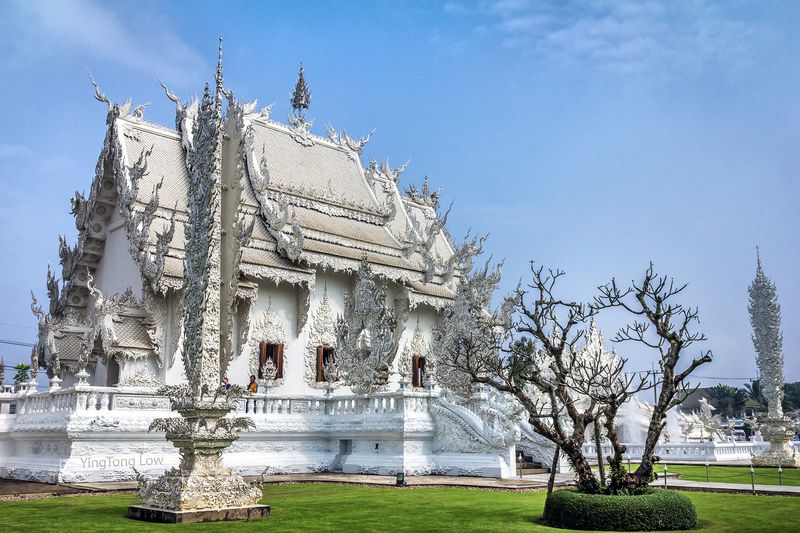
[588, 135]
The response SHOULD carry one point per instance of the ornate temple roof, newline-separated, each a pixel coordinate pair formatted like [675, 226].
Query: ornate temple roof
[311, 201]
[343, 211]
[340, 213]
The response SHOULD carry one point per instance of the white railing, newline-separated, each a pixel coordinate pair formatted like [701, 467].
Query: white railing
[82, 399]
[89, 399]
[379, 403]
[8, 403]
[690, 451]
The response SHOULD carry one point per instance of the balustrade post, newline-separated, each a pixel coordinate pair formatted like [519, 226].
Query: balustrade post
[92, 401]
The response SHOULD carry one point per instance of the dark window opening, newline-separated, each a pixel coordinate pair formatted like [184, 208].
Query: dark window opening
[417, 370]
[270, 352]
[325, 356]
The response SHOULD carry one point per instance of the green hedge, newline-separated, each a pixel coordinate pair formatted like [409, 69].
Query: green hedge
[654, 510]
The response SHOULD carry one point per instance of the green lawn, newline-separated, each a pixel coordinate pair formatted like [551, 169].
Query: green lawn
[731, 474]
[326, 507]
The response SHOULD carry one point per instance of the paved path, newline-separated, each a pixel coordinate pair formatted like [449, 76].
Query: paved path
[13, 489]
[532, 482]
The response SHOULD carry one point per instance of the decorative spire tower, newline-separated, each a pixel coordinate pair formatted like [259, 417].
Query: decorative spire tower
[301, 97]
[201, 487]
[765, 317]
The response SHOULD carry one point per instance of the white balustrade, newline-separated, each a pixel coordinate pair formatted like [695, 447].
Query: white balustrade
[689, 451]
[86, 400]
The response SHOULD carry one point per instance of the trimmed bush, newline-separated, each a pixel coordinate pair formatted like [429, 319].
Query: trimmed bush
[653, 510]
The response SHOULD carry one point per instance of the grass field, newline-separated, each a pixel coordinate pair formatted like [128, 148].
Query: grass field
[732, 474]
[735, 474]
[350, 509]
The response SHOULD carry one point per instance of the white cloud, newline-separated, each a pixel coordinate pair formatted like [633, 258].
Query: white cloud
[455, 7]
[623, 36]
[53, 29]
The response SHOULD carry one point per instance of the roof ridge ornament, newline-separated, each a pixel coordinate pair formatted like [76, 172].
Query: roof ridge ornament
[301, 97]
[114, 110]
[276, 218]
[345, 142]
[300, 100]
[185, 115]
[426, 197]
[384, 170]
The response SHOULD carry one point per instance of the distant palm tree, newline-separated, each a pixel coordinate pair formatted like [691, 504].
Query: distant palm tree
[726, 399]
[22, 373]
[754, 390]
[791, 396]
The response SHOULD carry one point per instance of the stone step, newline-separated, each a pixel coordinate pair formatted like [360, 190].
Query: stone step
[532, 471]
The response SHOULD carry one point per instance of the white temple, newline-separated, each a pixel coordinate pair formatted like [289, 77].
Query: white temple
[341, 280]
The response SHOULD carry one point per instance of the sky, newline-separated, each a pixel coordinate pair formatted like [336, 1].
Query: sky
[592, 136]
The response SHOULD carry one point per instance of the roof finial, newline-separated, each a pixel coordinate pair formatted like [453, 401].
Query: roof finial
[98, 95]
[301, 98]
[218, 77]
[758, 259]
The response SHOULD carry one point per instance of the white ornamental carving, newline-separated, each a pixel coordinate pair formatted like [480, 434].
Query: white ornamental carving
[143, 377]
[419, 347]
[276, 220]
[211, 274]
[366, 334]
[322, 332]
[459, 429]
[268, 327]
[352, 146]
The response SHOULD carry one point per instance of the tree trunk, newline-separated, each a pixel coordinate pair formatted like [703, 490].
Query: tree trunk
[554, 466]
[585, 478]
[599, 452]
[617, 472]
[644, 473]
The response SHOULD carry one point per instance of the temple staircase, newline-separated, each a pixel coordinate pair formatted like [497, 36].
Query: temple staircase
[526, 466]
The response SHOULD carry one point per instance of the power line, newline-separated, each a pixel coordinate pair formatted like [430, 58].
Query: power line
[693, 375]
[17, 325]
[731, 379]
[16, 343]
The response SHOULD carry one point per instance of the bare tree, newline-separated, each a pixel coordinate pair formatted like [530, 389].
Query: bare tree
[663, 326]
[528, 352]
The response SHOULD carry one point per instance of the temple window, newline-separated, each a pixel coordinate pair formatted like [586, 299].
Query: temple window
[325, 355]
[270, 352]
[417, 370]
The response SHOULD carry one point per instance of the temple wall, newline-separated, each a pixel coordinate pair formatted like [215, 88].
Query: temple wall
[117, 270]
[101, 434]
[173, 371]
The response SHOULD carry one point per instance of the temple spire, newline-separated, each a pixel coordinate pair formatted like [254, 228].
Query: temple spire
[218, 79]
[301, 98]
[765, 318]
[758, 260]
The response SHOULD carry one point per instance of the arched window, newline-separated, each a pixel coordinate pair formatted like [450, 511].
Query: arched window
[325, 355]
[271, 352]
[417, 370]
